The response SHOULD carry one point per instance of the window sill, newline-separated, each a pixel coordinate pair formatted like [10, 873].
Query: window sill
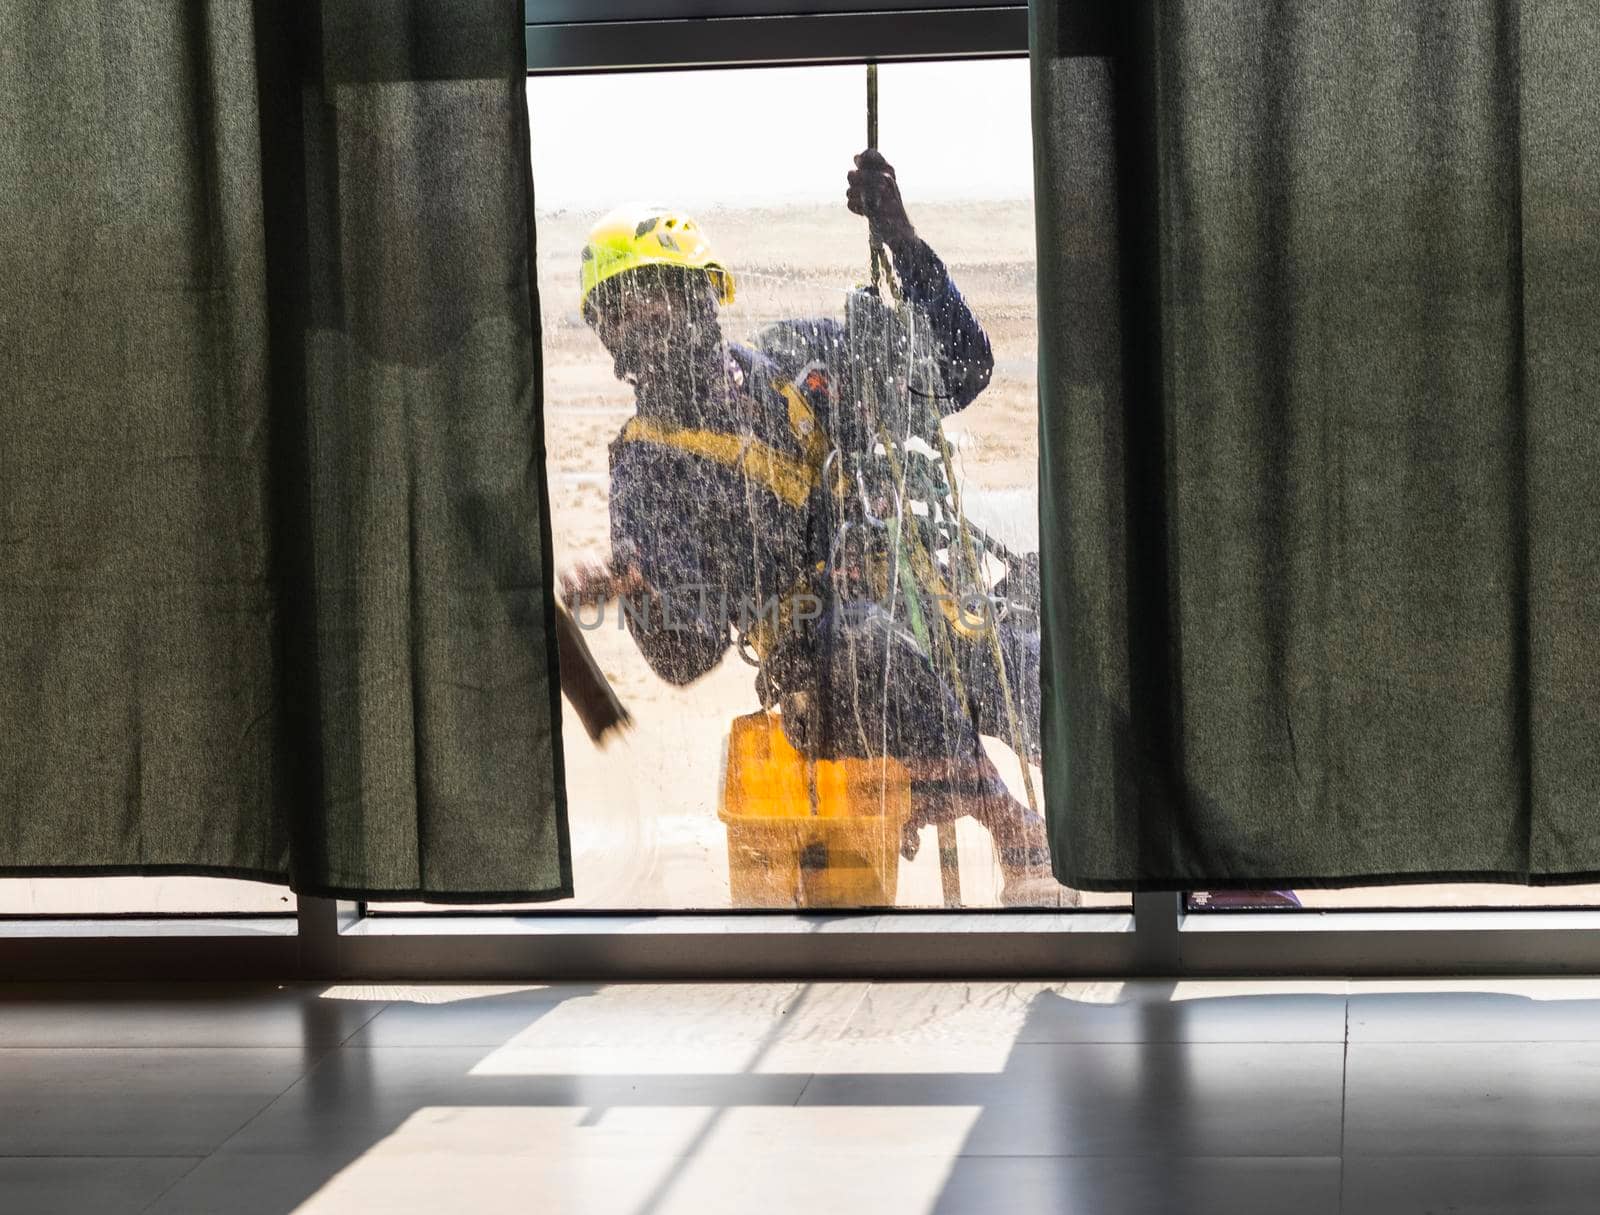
[776, 924]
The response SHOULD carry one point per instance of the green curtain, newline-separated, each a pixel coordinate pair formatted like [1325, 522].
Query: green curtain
[275, 585]
[1320, 376]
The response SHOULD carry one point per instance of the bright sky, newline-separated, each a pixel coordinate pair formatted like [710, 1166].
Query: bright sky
[754, 136]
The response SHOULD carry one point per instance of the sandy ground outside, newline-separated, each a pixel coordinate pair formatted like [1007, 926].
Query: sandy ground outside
[644, 810]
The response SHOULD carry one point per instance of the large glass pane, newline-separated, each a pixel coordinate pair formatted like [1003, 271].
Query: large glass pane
[816, 601]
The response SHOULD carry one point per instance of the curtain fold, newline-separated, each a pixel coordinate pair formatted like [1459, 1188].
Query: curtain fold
[1320, 346]
[275, 585]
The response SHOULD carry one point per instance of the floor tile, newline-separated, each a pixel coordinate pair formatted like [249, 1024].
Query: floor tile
[804, 1185]
[1477, 1185]
[1471, 1098]
[1201, 1099]
[713, 1183]
[805, 1132]
[434, 1099]
[1481, 1010]
[417, 1183]
[1110, 1185]
[651, 1128]
[1136, 1011]
[428, 1183]
[74, 1185]
[142, 1102]
[646, 1058]
[466, 1015]
[177, 1015]
[621, 1014]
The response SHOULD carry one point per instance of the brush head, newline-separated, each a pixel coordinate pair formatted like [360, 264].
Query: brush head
[585, 685]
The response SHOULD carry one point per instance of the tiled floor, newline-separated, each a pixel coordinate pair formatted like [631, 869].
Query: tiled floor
[893, 1099]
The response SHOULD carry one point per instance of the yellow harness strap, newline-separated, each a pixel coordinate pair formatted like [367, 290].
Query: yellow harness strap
[791, 479]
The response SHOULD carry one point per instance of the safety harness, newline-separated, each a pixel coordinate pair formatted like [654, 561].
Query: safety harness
[791, 479]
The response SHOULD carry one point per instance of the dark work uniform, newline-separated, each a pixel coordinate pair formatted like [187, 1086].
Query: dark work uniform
[717, 542]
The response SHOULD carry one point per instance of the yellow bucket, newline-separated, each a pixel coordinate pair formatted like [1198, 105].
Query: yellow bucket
[786, 848]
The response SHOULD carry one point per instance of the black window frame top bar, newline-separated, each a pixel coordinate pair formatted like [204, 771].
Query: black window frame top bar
[568, 12]
[887, 30]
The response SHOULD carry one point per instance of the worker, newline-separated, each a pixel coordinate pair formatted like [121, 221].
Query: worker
[720, 510]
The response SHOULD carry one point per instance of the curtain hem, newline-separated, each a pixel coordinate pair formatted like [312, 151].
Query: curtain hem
[1476, 877]
[282, 879]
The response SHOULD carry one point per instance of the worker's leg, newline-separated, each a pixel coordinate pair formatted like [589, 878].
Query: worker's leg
[970, 786]
[942, 791]
[989, 687]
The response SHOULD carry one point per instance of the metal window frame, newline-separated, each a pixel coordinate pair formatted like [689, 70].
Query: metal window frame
[329, 939]
[572, 36]
[1158, 940]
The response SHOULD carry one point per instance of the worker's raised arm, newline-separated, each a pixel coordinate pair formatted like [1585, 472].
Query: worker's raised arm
[966, 360]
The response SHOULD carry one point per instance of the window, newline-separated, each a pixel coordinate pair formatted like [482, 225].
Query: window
[707, 803]
[646, 831]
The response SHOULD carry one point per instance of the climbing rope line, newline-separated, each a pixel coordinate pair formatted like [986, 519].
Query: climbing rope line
[924, 565]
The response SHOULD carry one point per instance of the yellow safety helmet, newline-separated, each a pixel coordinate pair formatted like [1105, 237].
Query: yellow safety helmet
[638, 235]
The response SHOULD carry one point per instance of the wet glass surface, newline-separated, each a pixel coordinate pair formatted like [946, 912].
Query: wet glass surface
[794, 492]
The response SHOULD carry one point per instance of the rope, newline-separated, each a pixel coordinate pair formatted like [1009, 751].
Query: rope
[968, 554]
[874, 245]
